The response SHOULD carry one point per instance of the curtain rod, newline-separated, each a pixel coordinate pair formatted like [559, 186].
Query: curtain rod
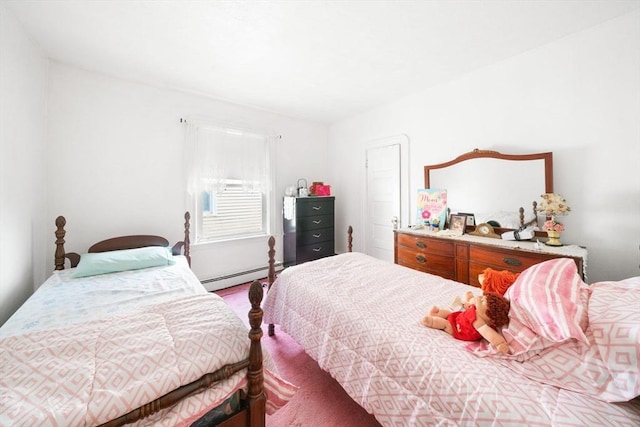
[183, 120]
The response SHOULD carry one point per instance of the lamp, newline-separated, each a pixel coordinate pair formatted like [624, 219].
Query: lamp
[553, 205]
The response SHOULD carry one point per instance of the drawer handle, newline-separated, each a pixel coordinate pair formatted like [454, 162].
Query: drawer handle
[317, 249]
[512, 261]
[421, 259]
[317, 235]
[317, 221]
[316, 208]
[421, 245]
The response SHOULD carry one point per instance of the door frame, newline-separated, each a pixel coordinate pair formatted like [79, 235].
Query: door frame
[403, 217]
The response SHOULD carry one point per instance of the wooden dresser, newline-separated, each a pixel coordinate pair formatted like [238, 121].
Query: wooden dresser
[463, 258]
[308, 225]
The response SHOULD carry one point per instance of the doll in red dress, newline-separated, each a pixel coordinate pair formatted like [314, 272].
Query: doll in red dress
[480, 317]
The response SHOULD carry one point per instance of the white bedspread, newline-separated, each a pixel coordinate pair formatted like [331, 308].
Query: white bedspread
[62, 300]
[360, 319]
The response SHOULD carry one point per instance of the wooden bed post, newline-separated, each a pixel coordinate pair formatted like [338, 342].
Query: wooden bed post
[272, 274]
[60, 233]
[350, 239]
[256, 396]
[272, 261]
[187, 240]
[183, 247]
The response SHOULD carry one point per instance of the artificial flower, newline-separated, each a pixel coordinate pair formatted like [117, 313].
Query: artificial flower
[553, 204]
[553, 225]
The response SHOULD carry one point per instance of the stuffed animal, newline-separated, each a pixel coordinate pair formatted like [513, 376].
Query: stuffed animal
[479, 318]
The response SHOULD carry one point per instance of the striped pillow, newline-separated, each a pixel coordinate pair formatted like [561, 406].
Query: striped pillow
[546, 298]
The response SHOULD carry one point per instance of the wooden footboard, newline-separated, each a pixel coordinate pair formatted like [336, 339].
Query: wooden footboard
[272, 262]
[252, 413]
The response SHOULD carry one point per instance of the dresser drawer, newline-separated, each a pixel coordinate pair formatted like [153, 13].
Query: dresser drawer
[315, 251]
[425, 244]
[505, 259]
[311, 237]
[312, 206]
[514, 261]
[428, 262]
[314, 222]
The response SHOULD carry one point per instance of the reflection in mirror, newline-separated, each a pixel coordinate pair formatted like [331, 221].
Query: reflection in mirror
[492, 185]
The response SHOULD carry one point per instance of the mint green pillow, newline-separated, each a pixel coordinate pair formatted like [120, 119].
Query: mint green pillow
[92, 264]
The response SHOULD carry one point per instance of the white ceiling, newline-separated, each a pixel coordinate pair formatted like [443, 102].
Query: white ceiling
[316, 60]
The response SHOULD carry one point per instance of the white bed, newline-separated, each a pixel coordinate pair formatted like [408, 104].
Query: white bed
[359, 318]
[148, 342]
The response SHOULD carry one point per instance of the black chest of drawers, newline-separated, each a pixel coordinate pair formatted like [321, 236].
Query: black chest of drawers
[308, 224]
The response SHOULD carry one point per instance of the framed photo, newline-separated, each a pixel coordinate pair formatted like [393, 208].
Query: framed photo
[471, 219]
[458, 223]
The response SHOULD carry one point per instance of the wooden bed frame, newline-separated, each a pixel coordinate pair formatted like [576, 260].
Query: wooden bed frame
[252, 403]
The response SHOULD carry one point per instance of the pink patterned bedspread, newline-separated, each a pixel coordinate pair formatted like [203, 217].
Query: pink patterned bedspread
[360, 319]
[90, 373]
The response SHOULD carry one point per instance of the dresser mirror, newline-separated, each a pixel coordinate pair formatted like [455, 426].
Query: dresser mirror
[492, 185]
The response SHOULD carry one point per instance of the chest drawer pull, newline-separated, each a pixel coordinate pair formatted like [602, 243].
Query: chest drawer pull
[317, 249]
[421, 259]
[421, 244]
[317, 221]
[316, 208]
[317, 235]
[512, 261]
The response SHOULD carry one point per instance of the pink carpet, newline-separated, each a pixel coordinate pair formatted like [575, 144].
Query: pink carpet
[320, 400]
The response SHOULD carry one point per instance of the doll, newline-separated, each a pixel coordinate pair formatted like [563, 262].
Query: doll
[480, 317]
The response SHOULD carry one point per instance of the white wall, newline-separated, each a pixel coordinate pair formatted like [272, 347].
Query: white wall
[23, 76]
[116, 163]
[578, 97]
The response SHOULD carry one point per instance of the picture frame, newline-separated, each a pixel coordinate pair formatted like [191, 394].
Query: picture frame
[471, 218]
[458, 223]
[432, 208]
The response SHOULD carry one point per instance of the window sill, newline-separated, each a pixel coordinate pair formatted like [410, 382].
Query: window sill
[229, 241]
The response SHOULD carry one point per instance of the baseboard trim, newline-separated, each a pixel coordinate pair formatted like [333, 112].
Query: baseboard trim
[229, 280]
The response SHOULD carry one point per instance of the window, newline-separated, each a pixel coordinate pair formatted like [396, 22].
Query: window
[233, 211]
[229, 181]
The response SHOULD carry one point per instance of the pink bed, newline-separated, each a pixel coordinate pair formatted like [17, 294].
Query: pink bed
[575, 349]
[129, 335]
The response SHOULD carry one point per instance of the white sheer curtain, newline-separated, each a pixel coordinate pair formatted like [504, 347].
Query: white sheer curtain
[229, 181]
[217, 156]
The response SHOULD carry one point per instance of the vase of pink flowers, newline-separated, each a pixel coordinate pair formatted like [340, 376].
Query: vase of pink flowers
[553, 230]
[553, 205]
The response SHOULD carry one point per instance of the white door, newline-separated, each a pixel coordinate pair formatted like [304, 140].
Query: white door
[383, 201]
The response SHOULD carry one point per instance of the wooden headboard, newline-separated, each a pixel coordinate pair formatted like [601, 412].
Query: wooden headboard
[119, 243]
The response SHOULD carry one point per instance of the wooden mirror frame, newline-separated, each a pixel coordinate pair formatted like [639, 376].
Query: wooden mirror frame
[478, 154]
